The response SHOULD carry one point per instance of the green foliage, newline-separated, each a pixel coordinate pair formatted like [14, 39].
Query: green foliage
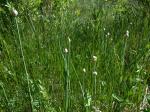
[74, 56]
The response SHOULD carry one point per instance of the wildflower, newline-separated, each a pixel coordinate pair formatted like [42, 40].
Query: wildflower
[104, 29]
[14, 12]
[127, 33]
[84, 70]
[66, 50]
[94, 58]
[94, 73]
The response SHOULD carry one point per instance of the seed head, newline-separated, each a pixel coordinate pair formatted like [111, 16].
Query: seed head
[94, 58]
[66, 50]
[84, 70]
[14, 12]
[108, 34]
[127, 33]
[94, 73]
[69, 39]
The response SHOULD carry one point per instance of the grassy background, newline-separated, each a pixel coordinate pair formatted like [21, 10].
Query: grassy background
[37, 75]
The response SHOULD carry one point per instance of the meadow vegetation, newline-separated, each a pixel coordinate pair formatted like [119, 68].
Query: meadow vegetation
[74, 55]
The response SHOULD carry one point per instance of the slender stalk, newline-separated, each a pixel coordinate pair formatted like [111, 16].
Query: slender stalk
[66, 86]
[67, 79]
[95, 84]
[95, 89]
[24, 63]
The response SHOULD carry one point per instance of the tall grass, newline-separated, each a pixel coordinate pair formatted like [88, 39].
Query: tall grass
[80, 56]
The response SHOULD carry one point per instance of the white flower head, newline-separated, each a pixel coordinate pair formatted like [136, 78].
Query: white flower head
[127, 33]
[66, 50]
[94, 58]
[14, 12]
[84, 70]
[94, 73]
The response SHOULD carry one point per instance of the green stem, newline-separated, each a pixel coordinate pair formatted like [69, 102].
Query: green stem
[24, 63]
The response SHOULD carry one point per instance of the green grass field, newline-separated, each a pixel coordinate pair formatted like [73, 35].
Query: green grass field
[77, 56]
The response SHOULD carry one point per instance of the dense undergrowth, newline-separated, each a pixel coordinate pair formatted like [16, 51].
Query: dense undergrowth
[74, 56]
